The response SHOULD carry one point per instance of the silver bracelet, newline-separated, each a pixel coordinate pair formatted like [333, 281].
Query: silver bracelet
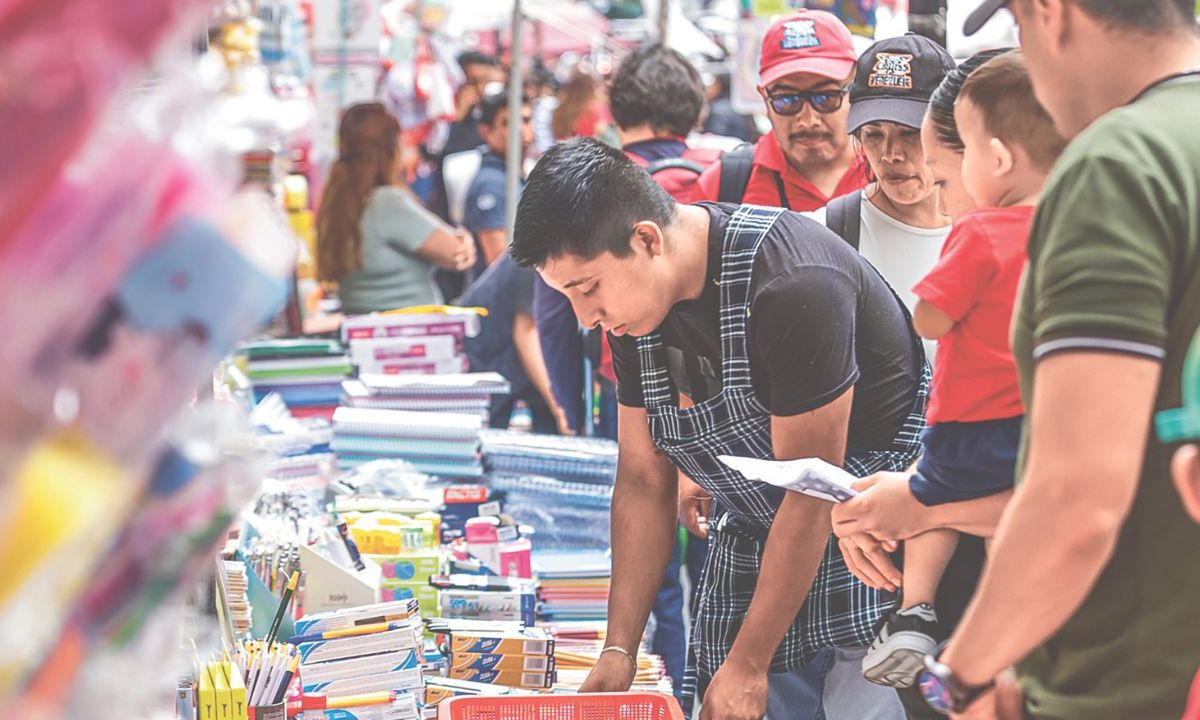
[623, 651]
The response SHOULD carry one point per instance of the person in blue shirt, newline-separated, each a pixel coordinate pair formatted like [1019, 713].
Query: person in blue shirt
[484, 213]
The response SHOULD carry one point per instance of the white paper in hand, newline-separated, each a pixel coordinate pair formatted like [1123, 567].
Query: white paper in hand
[811, 476]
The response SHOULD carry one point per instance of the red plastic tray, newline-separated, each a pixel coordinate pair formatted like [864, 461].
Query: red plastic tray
[583, 706]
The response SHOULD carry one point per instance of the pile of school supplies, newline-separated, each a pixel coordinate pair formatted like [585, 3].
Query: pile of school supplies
[367, 649]
[578, 459]
[572, 586]
[574, 659]
[298, 450]
[407, 551]
[497, 653]
[306, 373]
[467, 393]
[444, 444]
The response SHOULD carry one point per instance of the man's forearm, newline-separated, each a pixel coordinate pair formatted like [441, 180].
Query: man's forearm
[529, 349]
[974, 517]
[790, 560]
[643, 536]
[1045, 557]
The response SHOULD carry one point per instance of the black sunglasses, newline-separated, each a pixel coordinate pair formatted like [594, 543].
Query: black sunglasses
[824, 101]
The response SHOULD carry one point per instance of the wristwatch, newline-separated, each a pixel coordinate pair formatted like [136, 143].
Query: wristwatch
[943, 692]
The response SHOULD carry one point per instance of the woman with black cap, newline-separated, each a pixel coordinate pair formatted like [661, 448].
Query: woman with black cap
[897, 221]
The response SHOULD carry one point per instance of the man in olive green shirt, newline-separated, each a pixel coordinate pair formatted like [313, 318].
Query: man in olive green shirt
[1093, 584]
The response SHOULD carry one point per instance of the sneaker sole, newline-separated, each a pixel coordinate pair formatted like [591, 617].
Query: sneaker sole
[897, 661]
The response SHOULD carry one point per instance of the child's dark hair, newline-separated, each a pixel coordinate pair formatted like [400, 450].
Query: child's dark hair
[1003, 92]
[941, 103]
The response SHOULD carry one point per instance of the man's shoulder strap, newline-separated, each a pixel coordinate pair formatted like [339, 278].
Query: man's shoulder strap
[843, 215]
[736, 166]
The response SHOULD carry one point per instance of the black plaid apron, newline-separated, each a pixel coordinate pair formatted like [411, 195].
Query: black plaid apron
[840, 611]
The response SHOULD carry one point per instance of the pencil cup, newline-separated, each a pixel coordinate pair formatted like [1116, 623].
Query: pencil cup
[269, 712]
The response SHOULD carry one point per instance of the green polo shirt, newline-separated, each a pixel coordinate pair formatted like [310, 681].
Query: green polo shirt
[1114, 266]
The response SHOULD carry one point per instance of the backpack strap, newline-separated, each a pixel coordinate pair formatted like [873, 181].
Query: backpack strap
[843, 215]
[736, 166]
[674, 163]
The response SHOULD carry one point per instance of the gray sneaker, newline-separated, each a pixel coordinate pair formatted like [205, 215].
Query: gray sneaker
[902, 640]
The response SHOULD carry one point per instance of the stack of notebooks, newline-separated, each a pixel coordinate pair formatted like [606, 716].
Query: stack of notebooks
[306, 374]
[457, 393]
[367, 649]
[573, 586]
[443, 444]
[592, 460]
[417, 341]
[497, 653]
[561, 486]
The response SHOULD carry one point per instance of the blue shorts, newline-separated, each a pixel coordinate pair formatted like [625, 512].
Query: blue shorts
[966, 460]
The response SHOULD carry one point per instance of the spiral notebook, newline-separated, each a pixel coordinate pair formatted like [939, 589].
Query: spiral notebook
[406, 424]
[444, 468]
[383, 447]
[488, 383]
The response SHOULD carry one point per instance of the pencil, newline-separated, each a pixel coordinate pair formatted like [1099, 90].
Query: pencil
[284, 602]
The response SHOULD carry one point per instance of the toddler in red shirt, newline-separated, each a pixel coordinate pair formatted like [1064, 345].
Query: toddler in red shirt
[966, 304]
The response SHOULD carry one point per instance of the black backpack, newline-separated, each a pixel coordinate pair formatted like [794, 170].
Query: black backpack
[842, 215]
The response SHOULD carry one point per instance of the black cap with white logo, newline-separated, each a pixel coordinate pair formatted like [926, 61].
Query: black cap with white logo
[894, 80]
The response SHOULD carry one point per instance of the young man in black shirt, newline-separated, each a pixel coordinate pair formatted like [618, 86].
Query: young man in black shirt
[790, 345]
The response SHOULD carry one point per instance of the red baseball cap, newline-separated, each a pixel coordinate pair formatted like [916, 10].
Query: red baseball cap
[807, 41]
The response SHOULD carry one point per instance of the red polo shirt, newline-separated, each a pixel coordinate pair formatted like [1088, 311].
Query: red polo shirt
[769, 163]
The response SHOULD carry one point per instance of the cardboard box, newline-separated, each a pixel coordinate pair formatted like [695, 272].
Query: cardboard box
[530, 641]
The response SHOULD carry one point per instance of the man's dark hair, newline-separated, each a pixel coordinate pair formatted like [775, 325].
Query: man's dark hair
[473, 57]
[656, 85]
[583, 199]
[1151, 16]
[491, 105]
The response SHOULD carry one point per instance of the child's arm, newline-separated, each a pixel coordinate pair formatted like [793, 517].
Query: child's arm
[930, 322]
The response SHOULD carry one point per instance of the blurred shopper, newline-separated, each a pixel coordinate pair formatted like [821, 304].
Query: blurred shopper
[581, 111]
[722, 119]
[486, 201]
[373, 237]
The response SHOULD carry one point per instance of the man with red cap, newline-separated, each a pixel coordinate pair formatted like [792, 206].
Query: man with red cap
[805, 72]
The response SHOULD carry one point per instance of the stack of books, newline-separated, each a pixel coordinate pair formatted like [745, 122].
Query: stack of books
[443, 444]
[457, 393]
[306, 374]
[574, 659]
[573, 586]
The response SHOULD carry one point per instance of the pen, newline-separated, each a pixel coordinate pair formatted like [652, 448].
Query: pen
[349, 632]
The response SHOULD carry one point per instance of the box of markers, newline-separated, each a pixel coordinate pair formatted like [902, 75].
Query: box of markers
[462, 662]
[528, 641]
[511, 678]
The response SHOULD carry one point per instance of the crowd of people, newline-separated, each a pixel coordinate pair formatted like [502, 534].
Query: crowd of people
[971, 285]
